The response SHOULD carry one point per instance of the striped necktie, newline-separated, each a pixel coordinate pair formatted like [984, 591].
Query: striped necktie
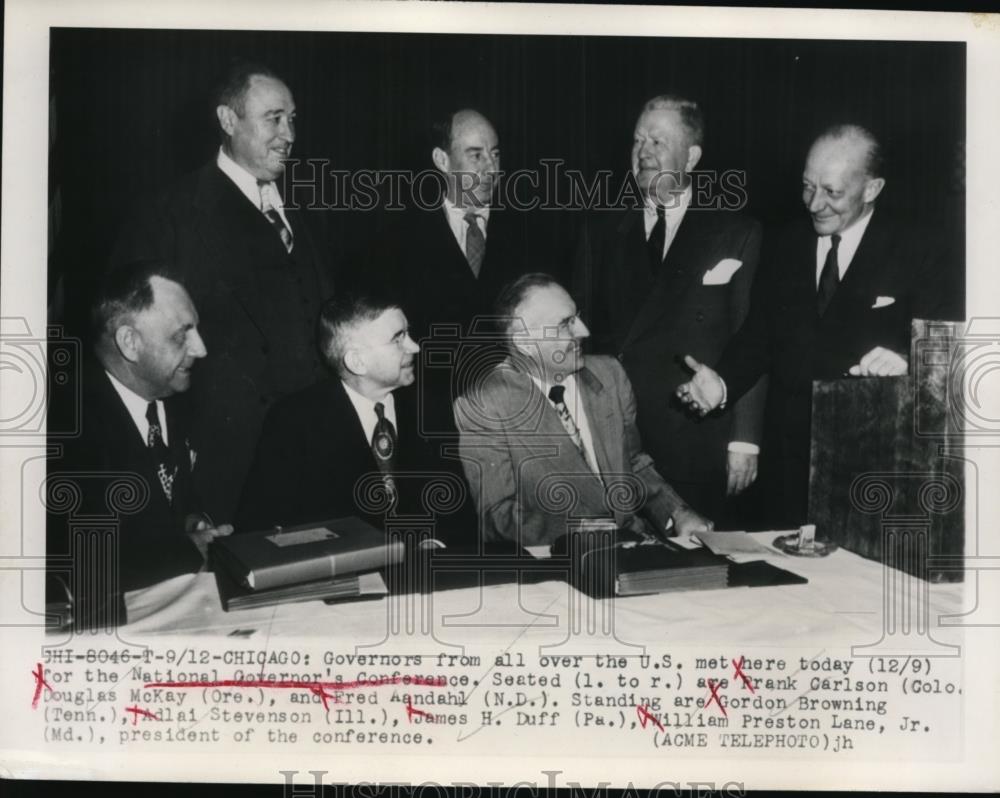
[557, 397]
[268, 195]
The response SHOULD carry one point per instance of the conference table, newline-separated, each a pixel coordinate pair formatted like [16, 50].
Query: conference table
[848, 600]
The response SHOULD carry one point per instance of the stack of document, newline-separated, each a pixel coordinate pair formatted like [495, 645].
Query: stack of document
[664, 567]
[333, 559]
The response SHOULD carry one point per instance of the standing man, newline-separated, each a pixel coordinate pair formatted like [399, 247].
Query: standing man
[835, 298]
[670, 278]
[255, 270]
[319, 445]
[547, 424]
[450, 262]
[146, 344]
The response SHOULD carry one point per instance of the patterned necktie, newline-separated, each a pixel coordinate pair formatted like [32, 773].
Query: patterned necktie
[166, 468]
[384, 449]
[657, 237]
[556, 396]
[829, 277]
[475, 243]
[267, 191]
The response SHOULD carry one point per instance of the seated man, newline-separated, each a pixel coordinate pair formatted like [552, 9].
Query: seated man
[132, 458]
[350, 444]
[549, 436]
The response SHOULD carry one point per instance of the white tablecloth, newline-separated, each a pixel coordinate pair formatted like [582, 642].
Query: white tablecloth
[848, 601]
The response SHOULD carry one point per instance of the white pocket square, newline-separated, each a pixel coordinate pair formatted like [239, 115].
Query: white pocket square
[722, 272]
[883, 302]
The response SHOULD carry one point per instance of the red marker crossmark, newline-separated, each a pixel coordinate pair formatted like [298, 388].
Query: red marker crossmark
[317, 689]
[410, 712]
[715, 697]
[739, 672]
[40, 682]
[644, 716]
[137, 712]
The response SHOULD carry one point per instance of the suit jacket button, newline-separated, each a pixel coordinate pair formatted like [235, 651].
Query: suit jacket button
[699, 316]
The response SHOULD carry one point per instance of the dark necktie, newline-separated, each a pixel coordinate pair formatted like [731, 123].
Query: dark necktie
[475, 243]
[384, 448]
[272, 216]
[166, 468]
[557, 397]
[829, 277]
[657, 237]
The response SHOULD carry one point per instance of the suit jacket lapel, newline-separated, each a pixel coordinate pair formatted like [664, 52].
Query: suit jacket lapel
[227, 216]
[669, 288]
[598, 407]
[871, 253]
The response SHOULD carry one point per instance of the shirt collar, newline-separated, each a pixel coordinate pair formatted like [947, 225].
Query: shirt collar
[568, 382]
[454, 210]
[851, 237]
[673, 212]
[245, 182]
[136, 406]
[365, 407]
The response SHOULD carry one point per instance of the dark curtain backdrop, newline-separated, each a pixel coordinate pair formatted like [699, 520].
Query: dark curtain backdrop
[134, 110]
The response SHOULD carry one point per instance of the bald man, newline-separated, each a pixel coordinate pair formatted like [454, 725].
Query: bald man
[834, 298]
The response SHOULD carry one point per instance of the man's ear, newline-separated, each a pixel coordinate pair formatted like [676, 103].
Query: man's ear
[441, 159]
[227, 118]
[355, 363]
[128, 342]
[872, 189]
[694, 155]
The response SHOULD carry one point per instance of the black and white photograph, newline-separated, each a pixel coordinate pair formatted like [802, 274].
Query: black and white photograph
[402, 399]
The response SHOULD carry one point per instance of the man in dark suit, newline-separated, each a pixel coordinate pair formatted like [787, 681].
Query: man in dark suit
[256, 271]
[548, 436]
[834, 298]
[350, 444]
[448, 262]
[134, 435]
[673, 277]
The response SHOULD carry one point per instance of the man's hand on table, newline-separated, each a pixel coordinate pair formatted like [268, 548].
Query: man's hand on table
[201, 532]
[687, 522]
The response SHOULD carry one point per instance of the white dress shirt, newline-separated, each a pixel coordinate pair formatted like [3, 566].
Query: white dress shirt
[673, 215]
[365, 408]
[575, 406]
[248, 186]
[459, 227]
[136, 407]
[850, 240]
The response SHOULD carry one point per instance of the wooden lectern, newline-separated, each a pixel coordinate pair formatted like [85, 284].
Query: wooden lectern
[886, 477]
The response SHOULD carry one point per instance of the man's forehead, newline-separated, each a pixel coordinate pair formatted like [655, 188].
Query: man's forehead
[658, 119]
[547, 304]
[473, 131]
[385, 327]
[171, 300]
[265, 91]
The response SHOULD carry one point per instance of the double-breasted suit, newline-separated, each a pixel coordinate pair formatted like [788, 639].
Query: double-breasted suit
[650, 318]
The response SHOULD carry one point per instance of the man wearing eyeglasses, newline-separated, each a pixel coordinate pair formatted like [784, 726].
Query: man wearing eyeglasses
[549, 436]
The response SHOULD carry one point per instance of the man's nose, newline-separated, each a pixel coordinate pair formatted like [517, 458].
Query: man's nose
[196, 346]
[410, 345]
[815, 202]
[286, 129]
[580, 329]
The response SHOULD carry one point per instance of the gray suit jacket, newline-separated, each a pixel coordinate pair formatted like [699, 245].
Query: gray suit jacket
[526, 475]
